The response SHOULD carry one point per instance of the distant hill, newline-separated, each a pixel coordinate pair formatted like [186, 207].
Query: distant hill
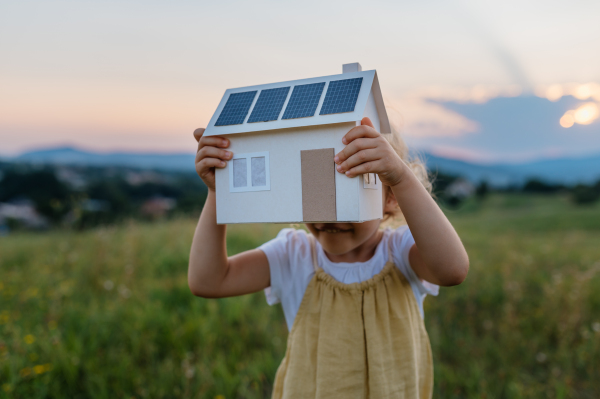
[563, 170]
[73, 156]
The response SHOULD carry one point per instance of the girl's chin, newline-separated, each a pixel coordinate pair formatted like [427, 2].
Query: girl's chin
[334, 247]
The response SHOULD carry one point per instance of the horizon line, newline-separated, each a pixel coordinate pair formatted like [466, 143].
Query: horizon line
[420, 151]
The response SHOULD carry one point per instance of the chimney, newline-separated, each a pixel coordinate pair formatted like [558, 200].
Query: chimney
[354, 67]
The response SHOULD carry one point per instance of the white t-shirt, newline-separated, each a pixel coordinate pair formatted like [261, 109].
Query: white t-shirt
[291, 266]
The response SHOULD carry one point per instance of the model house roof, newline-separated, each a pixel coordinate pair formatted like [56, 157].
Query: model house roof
[296, 103]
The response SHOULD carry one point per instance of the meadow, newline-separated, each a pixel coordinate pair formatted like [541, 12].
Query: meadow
[107, 313]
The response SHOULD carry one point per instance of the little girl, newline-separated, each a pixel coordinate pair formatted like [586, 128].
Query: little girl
[352, 294]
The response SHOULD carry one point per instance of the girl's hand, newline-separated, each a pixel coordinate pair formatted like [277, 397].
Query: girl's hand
[210, 156]
[367, 151]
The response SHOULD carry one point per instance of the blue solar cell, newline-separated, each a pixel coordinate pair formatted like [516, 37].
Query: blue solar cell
[304, 101]
[341, 96]
[269, 104]
[236, 108]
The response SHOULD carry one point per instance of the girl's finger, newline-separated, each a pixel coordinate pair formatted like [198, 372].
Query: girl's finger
[214, 141]
[213, 152]
[207, 163]
[359, 131]
[198, 133]
[362, 156]
[367, 121]
[363, 168]
[354, 147]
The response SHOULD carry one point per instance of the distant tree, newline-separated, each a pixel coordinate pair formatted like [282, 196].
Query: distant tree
[52, 198]
[149, 190]
[583, 194]
[482, 190]
[441, 184]
[115, 191]
[107, 194]
[542, 187]
[193, 195]
[441, 181]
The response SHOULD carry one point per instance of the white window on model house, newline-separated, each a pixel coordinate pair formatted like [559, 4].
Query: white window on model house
[249, 172]
[370, 180]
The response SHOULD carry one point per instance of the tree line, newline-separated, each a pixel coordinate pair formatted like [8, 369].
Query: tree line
[82, 197]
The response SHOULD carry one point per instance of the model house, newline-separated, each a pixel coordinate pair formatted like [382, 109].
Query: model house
[284, 137]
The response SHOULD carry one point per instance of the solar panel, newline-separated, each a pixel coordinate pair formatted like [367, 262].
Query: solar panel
[341, 96]
[236, 108]
[304, 101]
[269, 104]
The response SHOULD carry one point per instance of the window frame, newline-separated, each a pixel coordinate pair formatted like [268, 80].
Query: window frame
[370, 182]
[249, 187]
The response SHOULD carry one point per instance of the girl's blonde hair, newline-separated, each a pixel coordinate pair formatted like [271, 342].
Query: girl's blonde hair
[416, 165]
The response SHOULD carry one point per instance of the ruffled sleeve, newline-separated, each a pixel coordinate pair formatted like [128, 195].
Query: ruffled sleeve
[277, 252]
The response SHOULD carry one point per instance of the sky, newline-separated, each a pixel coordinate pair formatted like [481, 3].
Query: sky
[474, 80]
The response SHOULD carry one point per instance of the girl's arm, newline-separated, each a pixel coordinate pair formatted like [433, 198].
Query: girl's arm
[438, 255]
[211, 273]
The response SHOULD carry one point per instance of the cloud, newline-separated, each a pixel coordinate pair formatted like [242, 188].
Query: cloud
[515, 129]
[502, 53]
[581, 91]
[421, 118]
[454, 152]
[421, 113]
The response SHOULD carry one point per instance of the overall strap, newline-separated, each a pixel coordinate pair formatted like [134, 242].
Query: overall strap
[313, 250]
[390, 258]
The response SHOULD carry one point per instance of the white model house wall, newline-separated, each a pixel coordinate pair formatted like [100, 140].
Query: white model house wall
[371, 112]
[369, 199]
[283, 202]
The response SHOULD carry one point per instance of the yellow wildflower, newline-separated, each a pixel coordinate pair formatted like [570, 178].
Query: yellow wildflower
[6, 387]
[220, 397]
[25, 372]
[39, 369]
[29, 339]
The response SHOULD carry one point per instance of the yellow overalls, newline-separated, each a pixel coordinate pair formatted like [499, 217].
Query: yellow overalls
[361, 340]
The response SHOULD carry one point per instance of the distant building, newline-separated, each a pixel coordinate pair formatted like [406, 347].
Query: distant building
[71, 178]
[460, 188]
[138, 178]
[94, 205]
[157, 207]
[22, 212]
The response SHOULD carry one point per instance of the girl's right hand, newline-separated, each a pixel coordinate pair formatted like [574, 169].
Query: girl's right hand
[210, 156]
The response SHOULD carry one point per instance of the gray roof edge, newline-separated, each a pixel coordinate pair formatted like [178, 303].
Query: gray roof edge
[384, 121]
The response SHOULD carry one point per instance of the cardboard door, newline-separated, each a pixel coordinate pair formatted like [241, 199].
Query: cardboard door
[318, 185]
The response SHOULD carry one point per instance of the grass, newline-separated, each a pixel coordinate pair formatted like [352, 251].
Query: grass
[107, 312]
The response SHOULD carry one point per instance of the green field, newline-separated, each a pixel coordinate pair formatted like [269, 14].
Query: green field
[107, 312]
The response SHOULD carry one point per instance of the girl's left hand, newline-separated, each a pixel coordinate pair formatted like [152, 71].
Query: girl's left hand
[367, 151]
